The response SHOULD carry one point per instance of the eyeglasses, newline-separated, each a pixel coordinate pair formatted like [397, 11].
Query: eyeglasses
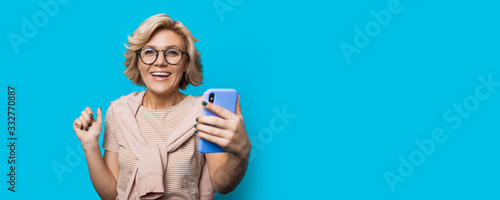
[149, 55]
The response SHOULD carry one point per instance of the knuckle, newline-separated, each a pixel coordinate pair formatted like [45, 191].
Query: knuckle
[82, 120]
[212, 130]
[219, 120]
[212, 120]
[204, 127]
[230, 126]
[209, 120]
[231, 136]
[225, 143]
[235, 128]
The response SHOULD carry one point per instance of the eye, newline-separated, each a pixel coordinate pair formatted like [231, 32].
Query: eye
[173, 52]
[148, 52]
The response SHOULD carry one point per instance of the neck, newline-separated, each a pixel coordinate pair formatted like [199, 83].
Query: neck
[161, 101]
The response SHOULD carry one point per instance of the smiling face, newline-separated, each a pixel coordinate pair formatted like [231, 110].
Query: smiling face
[161, 77]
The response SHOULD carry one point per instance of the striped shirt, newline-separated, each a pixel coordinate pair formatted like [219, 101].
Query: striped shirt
[184, 164]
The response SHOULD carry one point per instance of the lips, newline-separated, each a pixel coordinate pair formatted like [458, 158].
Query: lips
[160, 75]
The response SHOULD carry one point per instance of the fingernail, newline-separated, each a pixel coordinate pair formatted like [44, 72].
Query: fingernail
[195, 125]
[90, 124]
[81, 128]
[196, 132]
[204, 103]
[197, 119]
[91, 115]
[86, 129]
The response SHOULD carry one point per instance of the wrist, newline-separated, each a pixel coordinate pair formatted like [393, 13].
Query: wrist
[243, 154]
[90, 146]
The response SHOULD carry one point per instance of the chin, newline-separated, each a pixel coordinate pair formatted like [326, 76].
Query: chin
[161, 88]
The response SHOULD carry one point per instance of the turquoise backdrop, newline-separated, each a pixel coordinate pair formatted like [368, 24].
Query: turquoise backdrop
[380, 99]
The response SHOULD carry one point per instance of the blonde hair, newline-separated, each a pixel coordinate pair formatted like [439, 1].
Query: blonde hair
[141, 36]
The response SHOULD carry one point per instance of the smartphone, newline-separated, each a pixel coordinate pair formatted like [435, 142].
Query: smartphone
[225, 98]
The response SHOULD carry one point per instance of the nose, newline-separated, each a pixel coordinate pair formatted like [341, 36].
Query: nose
[160, 61]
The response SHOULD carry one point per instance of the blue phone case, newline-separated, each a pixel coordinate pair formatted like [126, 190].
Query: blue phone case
[225, 98]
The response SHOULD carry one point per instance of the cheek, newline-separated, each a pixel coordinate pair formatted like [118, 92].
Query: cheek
[183, 68]
[180, 74]
[142, 68]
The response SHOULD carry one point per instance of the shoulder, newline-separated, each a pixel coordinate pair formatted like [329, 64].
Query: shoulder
[122, 99]
[132, 95]
[131, 101]
[190, 101]
[197, 98]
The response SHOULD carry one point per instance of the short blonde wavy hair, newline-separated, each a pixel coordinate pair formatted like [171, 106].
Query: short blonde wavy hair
[141, 36]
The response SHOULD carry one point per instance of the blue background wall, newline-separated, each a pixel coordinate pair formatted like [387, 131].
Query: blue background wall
[353, 120]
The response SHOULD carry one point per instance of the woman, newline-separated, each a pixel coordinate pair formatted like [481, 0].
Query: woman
[149, 152]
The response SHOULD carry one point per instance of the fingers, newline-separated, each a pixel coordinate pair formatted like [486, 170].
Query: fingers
[212, 130]
[77, 124]
[222, 112]
[223, 143]
[215, 121]
[85, 124]
[86, 118]
[91, 114]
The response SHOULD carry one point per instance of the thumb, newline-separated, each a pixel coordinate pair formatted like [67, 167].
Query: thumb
[99, 115]
[238, 107]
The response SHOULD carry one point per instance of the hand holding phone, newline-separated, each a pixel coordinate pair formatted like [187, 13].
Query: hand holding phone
[225, 98]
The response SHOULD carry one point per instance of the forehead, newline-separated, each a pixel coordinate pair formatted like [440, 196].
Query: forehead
[162, 39]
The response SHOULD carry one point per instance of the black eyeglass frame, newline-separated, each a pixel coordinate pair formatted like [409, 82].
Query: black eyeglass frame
[164, 55]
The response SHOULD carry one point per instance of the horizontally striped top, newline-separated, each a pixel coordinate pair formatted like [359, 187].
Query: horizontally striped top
[184, 164]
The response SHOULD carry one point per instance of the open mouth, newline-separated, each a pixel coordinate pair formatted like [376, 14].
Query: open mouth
[160, 76]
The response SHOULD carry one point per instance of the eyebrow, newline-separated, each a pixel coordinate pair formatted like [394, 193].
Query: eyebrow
[155, 47]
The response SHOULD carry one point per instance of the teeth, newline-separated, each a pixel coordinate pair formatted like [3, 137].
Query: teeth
[160, 73]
